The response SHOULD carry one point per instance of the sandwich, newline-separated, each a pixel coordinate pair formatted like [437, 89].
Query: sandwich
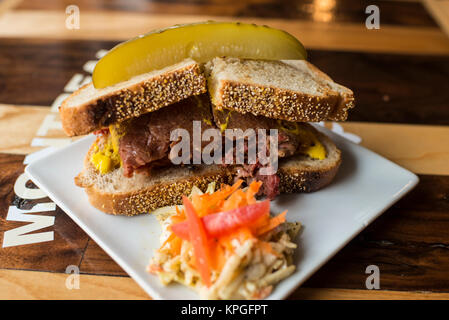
[152, 105]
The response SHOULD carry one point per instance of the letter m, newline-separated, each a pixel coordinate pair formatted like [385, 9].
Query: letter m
[20, 236]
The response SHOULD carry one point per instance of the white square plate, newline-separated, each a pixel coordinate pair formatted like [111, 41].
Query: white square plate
[365, 186]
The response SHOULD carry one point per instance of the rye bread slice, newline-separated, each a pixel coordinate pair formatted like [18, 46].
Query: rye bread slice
[292, 90]
[89, 109]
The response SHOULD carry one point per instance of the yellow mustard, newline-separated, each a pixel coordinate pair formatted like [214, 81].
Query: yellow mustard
[224, 126]
[311, 146]
[315, 151]
[207, 121]
[108, 158]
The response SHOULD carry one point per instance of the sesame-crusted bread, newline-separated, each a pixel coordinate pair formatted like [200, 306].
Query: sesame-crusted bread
[89, 109]
[303, 174]
[115, 194]
[293, 90]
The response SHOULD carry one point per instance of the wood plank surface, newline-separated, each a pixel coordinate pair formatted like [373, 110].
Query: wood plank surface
[69, 240]
[411, 13]
[41, 68]
[439, 9]
[53, 286]
[19, 126]
[17, 284]
[96, 261]
[389, 87]
[420, 149]
[6, 5]
[344, 294]
[315, 35]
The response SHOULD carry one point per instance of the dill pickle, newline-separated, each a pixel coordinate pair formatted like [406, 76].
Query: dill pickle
[199, 41]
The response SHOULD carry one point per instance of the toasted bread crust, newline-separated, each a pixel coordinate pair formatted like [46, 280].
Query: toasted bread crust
[345, 100]
[248, 94]
[306, 181]
[282, 104]
[133, 101]
[151, 198]
[309, 179]
[171, 86]
[295, 176]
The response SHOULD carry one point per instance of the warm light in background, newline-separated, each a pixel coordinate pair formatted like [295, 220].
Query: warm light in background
[322, 10]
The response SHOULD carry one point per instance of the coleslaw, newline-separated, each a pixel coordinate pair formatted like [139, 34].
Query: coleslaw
[224, 244]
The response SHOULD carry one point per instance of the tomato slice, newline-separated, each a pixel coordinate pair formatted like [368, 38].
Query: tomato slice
[199, 240]
[222, 223]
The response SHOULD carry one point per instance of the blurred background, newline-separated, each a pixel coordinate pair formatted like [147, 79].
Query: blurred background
[53, 42]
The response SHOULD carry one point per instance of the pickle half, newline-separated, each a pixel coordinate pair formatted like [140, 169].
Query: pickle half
[199, 41]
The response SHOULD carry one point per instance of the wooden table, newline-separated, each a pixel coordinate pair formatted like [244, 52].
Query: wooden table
[400, 76]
